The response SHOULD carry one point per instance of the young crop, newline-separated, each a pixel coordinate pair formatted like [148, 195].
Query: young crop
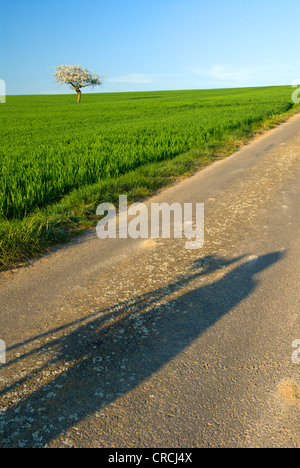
[49, 147]
[59, 160]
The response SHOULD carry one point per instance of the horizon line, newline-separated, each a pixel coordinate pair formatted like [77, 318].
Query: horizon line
[152, 91]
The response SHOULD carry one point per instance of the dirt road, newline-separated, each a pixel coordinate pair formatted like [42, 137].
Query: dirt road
[143, 343]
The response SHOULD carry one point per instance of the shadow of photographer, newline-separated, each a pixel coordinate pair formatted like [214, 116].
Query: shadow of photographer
[115, 352]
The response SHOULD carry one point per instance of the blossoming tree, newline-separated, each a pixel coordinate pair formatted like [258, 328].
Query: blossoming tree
[77, 77]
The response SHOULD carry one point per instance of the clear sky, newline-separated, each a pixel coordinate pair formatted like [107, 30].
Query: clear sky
[144, 45]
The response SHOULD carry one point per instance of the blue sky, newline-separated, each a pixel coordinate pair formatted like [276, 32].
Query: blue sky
[145, 45]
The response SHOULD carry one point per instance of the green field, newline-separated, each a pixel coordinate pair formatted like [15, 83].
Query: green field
[59, 160]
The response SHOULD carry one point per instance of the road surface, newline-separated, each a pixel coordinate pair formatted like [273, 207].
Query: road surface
[144, 343]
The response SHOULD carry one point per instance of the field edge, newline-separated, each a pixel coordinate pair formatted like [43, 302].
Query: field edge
[24, 240]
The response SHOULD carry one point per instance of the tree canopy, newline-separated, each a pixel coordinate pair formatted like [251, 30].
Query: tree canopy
[77, 77]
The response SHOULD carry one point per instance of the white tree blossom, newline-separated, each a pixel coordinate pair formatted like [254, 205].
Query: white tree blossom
[77, 77]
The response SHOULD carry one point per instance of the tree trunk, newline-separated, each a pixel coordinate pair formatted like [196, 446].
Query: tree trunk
[79, 96]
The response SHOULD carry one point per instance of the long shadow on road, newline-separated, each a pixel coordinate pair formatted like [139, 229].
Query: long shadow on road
[117, 349]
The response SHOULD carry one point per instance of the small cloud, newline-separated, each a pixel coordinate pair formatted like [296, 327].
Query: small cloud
[223, 73]
[132, 78]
